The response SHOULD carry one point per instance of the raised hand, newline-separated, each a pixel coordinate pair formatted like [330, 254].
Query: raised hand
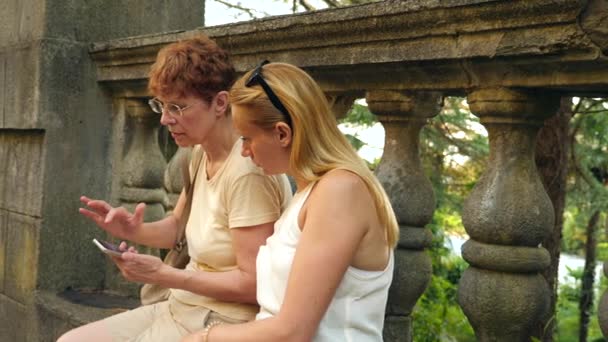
[117, 221]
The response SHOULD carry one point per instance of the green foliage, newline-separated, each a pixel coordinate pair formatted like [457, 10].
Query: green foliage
[354, 141]
[568, 314]
[454, 149]
[359, 115]
[586, 193]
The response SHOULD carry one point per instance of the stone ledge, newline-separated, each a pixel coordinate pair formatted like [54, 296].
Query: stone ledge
[74, 313]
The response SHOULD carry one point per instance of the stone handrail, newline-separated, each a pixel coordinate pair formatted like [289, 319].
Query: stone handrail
[416, 45]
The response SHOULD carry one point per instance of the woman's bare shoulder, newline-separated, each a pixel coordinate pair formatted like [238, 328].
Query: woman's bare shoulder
[341, 183]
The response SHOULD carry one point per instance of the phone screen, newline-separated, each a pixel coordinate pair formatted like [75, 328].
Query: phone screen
[107, 247]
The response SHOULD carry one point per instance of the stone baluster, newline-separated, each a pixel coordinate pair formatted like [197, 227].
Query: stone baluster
[411, 194]
[141, 178]
[507, 215]
[341, 103]
[143, 167]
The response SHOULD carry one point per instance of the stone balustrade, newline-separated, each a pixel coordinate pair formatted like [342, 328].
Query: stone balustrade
[512, 59]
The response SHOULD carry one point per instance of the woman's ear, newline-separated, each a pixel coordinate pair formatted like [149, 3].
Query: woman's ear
[283, 133]
[221, 102]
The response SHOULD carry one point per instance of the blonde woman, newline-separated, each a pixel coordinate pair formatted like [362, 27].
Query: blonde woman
[324, 274]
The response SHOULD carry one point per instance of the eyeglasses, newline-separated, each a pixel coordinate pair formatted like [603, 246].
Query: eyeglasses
[257, 78]
[159, 107]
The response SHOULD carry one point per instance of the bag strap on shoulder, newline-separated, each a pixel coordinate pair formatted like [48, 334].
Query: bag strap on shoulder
[180, 242]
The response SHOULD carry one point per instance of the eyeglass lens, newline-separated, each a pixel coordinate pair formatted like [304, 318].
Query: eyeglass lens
[158, 107]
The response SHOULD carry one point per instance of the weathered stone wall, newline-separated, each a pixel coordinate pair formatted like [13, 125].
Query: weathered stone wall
[55, 134]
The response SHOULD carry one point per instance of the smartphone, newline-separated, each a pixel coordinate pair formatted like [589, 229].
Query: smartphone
[107, 247]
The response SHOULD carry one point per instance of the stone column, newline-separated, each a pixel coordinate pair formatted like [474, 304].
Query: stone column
[411, 194]
[141, 177]
[341, 103]
[142, 170]
[507, 215]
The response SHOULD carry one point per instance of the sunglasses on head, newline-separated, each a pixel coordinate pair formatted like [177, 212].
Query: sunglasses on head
[257, 78]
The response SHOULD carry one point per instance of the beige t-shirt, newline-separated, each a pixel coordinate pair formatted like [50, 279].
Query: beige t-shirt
[238, 195]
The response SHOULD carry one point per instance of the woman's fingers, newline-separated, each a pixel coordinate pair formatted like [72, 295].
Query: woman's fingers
[123, 246]
[110, 215]
[138, 216]
[101, 207]
[92, 215]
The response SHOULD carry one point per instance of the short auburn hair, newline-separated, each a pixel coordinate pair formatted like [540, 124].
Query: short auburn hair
[191, 67]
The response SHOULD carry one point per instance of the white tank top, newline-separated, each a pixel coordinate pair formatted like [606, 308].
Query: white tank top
[356, 312]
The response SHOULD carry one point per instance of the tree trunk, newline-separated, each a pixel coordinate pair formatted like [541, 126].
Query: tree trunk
[552, 149]
[586, 301]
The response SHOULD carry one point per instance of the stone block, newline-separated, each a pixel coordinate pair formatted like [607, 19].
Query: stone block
[55, 315]
[21, 92]
[88, 20]
[21, 162]
[13, 326]
[22, 20]
[3, 87]
[21, 257]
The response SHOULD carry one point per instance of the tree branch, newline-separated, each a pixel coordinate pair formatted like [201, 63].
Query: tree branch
[594, 111]
[578, 167]
[463, 148]
[307, 6]
[249, 11]
[332, 3]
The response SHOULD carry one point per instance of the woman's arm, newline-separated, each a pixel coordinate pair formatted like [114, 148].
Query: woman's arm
[162, 233]
[337, 218]
[237, 285]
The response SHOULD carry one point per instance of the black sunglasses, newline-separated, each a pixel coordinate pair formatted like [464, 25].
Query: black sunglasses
[256, 78]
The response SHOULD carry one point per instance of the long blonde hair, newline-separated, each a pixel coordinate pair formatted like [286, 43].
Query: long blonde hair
[318, 146]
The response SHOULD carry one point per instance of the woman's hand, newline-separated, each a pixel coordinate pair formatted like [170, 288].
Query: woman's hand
[141, 268]
[116, 221]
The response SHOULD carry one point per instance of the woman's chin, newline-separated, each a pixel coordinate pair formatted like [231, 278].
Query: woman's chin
[182, 142]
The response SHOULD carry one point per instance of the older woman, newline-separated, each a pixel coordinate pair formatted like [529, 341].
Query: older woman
[234, 208]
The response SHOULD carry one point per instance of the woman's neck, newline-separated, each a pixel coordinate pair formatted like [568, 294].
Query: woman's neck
[301, 183]
[218, 145]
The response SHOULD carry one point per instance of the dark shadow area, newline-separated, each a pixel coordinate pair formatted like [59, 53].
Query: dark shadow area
[98, 299]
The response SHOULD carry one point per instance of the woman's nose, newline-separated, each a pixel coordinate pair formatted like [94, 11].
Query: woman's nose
[166, 119]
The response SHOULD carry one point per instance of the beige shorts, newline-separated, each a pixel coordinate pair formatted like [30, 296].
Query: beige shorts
[165, 321]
